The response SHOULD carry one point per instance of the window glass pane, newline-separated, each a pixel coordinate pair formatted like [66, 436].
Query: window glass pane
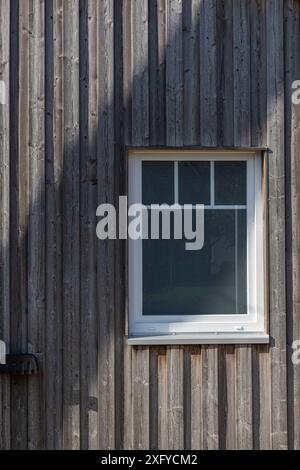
[210, 281]
[158, 182]
[230, 183]
[194, 182]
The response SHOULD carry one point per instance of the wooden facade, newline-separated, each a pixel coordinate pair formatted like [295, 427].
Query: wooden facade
[85, 79]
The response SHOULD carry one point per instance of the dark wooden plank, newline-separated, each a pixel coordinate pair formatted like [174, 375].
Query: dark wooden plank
[191, 82]
[19, 107]
[53, 227]
[88, 202]
[174, 74]
[157, 71]
[208, 73]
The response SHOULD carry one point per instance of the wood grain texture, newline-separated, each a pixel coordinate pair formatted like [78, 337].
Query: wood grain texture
[275, 129]
[19, 197]
[53, 222]
[71, 224]
[36, 219]
[86, 79]
[292, 111]
[5, 441]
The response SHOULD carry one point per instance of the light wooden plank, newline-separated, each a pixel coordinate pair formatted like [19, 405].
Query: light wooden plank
[36, 222]
[5, 441]
[175, 367]
[275, 90]
[141, 380]
[292, 168]
[210, 399]
[71, 258]
[196, 400]
[162, 431]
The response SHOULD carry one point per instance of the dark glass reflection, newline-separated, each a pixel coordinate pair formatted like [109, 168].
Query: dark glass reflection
[194, 182]
[230, 183]
[209, 281]
[158, 182]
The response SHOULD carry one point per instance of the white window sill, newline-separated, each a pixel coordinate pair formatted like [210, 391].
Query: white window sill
[200, 338]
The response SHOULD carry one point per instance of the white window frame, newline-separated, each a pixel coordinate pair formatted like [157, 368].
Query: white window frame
[201, 329]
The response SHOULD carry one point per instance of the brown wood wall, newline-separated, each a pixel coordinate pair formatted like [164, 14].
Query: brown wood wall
[85, 78]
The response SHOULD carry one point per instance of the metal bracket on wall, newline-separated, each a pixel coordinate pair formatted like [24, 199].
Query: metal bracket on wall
[20, 364]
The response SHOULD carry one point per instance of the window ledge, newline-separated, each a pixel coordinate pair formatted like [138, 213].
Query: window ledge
[200, 338]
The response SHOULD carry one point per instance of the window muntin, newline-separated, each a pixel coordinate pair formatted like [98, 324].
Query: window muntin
[167, 291]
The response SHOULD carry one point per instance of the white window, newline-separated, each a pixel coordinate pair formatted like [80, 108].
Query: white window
[214, 294]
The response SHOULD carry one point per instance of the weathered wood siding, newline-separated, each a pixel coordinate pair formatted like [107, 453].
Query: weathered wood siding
[85, 79]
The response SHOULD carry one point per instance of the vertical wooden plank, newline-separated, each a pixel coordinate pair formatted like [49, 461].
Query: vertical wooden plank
[208, 73]
[242, 137]
[54, 160]
[261, 390]
[231, 398]
[4, 219]
[157, 71]
[210, 397]
[106, 252]
[120, 250]
[191, 98]
[36, 225]
[292, 168]
[140, 136]
[153, 398]
[141, 396]
[174, 136]
[241, 67]
[162, 431]
[127, 424]
[208, 134]
[71, 314]
[88, 203]
[175, 401]
[19, 212]
[275, 90]
[174, 74]
[140, 71]
[224, 39]
[258, 73]
[196, 400]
